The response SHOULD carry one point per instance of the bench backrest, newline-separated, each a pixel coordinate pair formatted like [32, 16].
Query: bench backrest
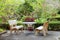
[12, 22]
[45, 25]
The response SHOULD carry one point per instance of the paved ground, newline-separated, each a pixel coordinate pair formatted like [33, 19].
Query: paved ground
[52, 35]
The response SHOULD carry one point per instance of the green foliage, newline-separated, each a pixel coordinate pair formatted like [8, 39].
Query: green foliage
[14, 7]
[36, 8]
[36, 3]
[0, 20]
[51, 7]
[8, 7]
[13, 2]
[40, 20]
[24, 9]
[54, 27]
[1, 30]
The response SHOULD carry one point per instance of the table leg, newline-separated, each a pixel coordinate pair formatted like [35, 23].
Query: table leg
[30, 27]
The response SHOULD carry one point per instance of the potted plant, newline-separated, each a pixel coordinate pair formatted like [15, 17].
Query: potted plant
[27, 19]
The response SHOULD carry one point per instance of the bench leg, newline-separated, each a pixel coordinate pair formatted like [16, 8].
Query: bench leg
[44, 32]
[36, 32]
[11, 31]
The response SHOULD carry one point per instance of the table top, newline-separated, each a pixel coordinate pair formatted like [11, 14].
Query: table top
[28, 22]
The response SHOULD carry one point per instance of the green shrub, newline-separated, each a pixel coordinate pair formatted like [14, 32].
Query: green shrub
[40, 20]
[1, 30]
[0, 20]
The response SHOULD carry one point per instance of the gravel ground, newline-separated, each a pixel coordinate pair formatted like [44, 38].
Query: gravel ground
[26, 35]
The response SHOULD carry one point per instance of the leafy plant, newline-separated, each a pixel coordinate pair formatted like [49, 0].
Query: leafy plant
[41, 20]
[1, 30]
[0, 20]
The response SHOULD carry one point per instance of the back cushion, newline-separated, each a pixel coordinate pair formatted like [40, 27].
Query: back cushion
[12, 22]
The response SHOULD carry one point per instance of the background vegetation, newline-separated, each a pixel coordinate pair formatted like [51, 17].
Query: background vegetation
[38, 9]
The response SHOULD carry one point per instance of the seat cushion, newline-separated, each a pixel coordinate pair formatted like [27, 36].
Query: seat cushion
[17, 27]
[40, 28]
